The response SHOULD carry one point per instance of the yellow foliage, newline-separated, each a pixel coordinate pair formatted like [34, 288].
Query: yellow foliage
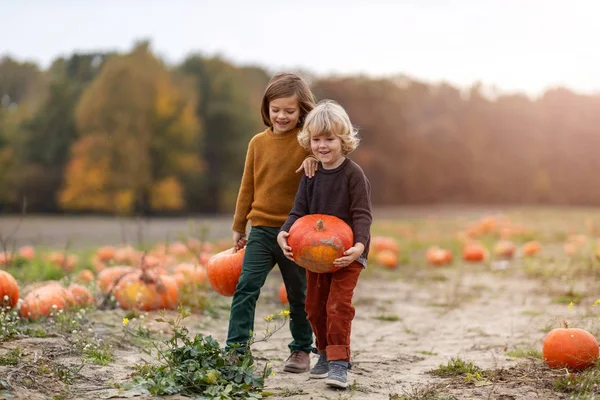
[167, 195]
[167, 99]
[87, 178]
[7, 160]
[124, 200]
[148, 127]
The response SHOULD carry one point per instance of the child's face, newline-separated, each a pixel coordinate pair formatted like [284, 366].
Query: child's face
[284, 114]
[328, 149]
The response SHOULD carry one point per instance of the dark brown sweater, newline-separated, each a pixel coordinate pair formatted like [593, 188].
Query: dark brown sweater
[344, 192]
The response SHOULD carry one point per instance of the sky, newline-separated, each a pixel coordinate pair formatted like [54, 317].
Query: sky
[512, 45]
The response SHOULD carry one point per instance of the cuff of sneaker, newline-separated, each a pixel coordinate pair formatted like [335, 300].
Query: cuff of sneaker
[338, 353]
[344, 364]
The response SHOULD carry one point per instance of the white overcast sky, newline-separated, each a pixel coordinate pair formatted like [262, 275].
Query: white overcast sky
[516, 45]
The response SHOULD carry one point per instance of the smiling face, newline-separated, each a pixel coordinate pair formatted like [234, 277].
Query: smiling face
[284, 114]
[328, 149]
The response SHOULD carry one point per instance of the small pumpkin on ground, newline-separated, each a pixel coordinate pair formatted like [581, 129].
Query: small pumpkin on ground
[382, 243]
[387, 258]
[85, 276]
[106, 253]
[531, 248]
[474, 252]
[317, 240]
[190, 274]
[504, 249]
[437, 256]
[571, 348]
[27, 252]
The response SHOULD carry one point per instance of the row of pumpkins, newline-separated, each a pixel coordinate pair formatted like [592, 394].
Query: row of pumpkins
[385, 251]
[42, 299]
[133, 287]
[317, 240]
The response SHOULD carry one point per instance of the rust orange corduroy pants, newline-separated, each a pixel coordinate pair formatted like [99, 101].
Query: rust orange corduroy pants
[330, 310]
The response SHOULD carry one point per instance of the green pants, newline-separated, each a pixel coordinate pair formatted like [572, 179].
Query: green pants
[262, 253]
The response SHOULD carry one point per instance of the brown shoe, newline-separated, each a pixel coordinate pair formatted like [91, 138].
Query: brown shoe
[298, 361]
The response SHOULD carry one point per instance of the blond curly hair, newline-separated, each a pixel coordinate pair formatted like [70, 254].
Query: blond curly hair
[329, 118]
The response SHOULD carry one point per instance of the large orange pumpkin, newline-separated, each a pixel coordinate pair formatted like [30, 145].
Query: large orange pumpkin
[108, 276]
[317, 240]
[572, 348]
[44, 300]
[8, 288]
[146, 289]
[224, 269]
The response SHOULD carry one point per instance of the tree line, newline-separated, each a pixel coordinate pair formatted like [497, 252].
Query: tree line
[125, 133]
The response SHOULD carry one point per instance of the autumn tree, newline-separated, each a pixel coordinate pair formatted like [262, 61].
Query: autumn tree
[137, 130]
[22, 86]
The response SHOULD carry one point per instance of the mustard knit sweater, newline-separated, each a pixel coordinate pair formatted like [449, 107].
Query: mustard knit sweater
[269, 182]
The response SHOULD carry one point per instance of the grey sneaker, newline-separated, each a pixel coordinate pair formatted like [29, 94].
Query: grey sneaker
[320, 369]
[337, 376]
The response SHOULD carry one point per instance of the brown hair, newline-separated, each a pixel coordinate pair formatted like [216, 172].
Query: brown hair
[287, 85]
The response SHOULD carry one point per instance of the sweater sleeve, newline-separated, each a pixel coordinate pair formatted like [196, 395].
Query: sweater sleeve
[300, 208]
[246, 193]
[360, 207]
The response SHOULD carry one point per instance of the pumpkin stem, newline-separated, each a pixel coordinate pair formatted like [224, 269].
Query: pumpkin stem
[320, 226]
[160, 286]
[565, 324]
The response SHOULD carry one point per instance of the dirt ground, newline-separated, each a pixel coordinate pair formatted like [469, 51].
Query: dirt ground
[402, 330]
[408, 322]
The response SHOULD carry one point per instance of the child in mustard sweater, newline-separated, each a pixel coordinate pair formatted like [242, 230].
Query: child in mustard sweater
[265, 198]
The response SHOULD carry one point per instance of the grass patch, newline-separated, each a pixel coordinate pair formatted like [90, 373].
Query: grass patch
[525, 353]
[586, 382]
[12, 357]
[426, 353]
[455, 367]
[290, 392]
[568, 298]
[532, 313]
[422, 393]
[388, 317]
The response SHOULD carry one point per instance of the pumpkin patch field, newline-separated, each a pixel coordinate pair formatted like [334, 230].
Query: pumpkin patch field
[456, 303]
